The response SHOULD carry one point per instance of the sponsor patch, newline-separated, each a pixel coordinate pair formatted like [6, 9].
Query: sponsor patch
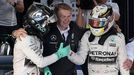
[112, 44]
[53, 37]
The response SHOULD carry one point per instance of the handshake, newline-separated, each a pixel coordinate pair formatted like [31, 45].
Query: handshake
[63, 51]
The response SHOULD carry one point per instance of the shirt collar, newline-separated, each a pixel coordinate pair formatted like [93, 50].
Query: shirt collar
[64, 31]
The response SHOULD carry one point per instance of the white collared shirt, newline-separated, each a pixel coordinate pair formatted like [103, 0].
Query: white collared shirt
[65, 32]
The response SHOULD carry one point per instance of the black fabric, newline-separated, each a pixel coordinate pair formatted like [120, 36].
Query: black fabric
[8, 29]
[63, 37]
[27, 3]
[112, 31]
[5, 36]
[19, 19]
[49, 2]
[29, 62]
[86, 4]
[91, 38]
[52, 41]
[20, 16]
[84, 67]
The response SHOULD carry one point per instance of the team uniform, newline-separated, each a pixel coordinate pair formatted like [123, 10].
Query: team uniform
[28, 51]
[104, 59]
[102, 45]
[28, 54]
[51, 42]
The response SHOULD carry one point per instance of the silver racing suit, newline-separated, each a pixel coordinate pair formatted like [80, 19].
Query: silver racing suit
[27, 51]
[106, 59]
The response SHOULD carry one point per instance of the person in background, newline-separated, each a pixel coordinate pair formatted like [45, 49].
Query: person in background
[84, 9]
[28, 48]
[84, 14]
[102, 44]
[8, 10]
[8, 23]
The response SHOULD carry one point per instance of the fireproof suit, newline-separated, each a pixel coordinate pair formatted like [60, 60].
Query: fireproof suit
[26, 49]
[104, 58]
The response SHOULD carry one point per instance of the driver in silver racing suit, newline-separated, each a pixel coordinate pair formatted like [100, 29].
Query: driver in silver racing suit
[28, 51]
[104, 46]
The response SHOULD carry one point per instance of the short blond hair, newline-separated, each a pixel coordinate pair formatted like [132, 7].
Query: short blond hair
[62, 6]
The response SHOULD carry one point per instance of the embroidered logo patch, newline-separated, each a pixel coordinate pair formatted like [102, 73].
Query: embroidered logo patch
[53, 37]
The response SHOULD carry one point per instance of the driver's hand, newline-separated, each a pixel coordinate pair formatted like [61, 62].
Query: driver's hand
[19, 32]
